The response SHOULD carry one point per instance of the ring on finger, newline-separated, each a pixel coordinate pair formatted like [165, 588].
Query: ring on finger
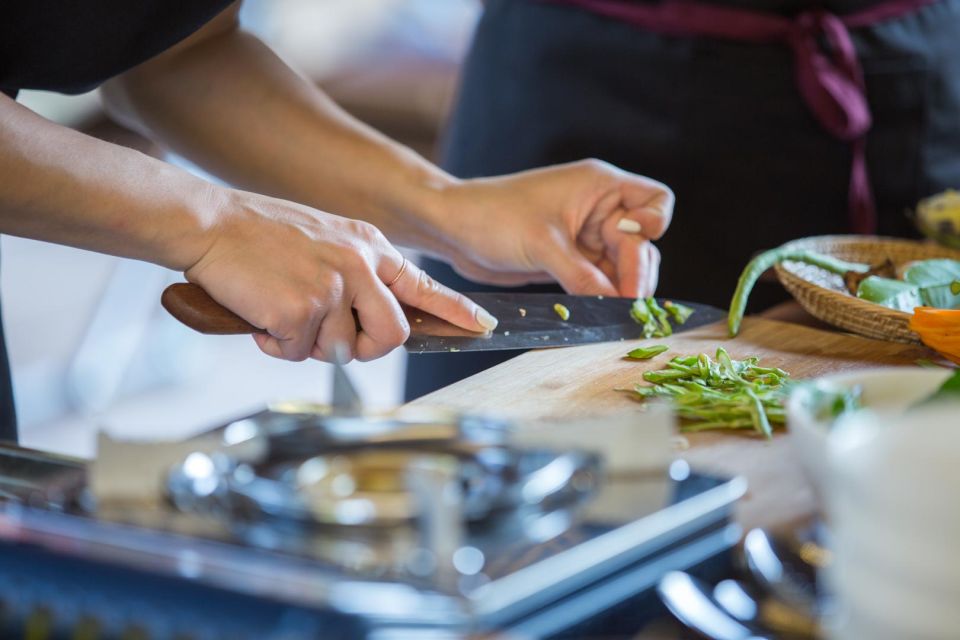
[396, 278]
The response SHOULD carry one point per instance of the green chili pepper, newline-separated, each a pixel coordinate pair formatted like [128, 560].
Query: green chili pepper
[767, 259]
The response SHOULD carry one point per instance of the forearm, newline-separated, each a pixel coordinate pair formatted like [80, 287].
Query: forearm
[61, 186]
[232, 106]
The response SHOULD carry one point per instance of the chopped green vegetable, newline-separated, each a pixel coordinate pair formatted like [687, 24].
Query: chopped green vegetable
[955, 287]
[645, 353]
[562, 311]
[639, 311]
[660, 316]
[679, 312]
[721, 394]
[655, 319]
[894, 294]
[767, 259]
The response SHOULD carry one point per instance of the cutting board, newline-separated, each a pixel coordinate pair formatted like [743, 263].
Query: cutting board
[581, 381]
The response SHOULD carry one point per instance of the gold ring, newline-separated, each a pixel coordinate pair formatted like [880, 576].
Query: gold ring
[403, 267]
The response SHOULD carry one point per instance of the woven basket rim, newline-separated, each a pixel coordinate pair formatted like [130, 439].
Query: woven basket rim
[844, 310]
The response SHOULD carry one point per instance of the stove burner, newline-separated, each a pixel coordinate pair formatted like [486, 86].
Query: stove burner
[341, 465]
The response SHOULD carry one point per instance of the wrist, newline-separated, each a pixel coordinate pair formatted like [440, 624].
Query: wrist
[203, 213]
[419, 213]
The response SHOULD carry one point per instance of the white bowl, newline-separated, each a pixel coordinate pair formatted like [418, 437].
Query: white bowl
[894, 525]
[887, 389]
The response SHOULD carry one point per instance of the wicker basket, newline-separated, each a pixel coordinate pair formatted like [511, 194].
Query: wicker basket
[824, 295]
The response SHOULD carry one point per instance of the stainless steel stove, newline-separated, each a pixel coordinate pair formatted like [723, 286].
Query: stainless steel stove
[315, 521]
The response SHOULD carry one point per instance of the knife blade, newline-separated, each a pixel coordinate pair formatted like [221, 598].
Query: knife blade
[527, 320]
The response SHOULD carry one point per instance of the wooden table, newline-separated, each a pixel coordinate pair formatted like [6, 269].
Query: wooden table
[580, 381]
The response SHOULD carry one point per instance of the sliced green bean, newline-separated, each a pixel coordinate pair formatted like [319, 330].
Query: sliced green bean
[645, 353]
[725, 393]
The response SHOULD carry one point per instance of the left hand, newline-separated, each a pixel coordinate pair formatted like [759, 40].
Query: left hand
[561, 223]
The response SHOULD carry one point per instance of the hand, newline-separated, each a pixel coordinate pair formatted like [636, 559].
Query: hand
[299, 273]
[561, 223]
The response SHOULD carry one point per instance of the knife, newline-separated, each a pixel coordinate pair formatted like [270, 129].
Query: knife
[527, 320]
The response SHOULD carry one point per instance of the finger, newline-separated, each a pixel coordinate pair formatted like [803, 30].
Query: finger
[416, 288]
[631, 257]
[652, 269]
[383, 325]
[647, 204]
[268, 344]
[609, 269]
[564, 261]
[293, 337]
[338, 328]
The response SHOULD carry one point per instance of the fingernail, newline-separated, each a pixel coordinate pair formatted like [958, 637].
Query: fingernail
[485, 320]
[629, 226]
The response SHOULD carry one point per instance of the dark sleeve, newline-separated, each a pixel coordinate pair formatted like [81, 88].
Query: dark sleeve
[72, 46]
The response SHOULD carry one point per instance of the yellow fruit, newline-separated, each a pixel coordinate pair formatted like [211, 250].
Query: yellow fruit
[938, 218]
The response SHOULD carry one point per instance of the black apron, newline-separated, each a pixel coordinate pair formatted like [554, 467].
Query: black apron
[72, 46]
[720, 122]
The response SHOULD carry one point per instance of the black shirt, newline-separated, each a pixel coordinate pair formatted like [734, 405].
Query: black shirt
[72, 46]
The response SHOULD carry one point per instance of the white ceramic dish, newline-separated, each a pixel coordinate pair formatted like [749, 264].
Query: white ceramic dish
[893, 523]
[887, 389]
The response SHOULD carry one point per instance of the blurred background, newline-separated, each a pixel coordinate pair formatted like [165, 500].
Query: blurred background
[90, 345]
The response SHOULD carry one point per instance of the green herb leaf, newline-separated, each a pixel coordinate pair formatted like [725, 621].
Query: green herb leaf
[894, 294]
[938, 280]
[645, 353]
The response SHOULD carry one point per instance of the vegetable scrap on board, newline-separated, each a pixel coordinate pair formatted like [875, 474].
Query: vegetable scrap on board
[719, 394]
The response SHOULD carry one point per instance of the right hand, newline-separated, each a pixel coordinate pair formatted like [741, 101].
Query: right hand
[299, 273]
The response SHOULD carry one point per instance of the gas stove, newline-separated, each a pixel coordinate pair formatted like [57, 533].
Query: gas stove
[306, 521]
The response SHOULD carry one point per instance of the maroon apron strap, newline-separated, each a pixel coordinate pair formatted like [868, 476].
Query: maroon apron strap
[829, 79]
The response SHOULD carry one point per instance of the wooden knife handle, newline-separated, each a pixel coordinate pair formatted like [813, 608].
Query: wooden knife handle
[194, 307]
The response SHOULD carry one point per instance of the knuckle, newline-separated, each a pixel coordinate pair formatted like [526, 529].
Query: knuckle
[426, 285]
[297, 355]
[365, 232]
[294, 315]
[593, 164]
[330, 286]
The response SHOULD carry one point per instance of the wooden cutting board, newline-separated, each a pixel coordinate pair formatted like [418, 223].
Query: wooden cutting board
[581, 381]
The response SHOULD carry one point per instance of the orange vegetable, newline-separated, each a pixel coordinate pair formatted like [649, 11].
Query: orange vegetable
[939, 329]
[932, 317]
